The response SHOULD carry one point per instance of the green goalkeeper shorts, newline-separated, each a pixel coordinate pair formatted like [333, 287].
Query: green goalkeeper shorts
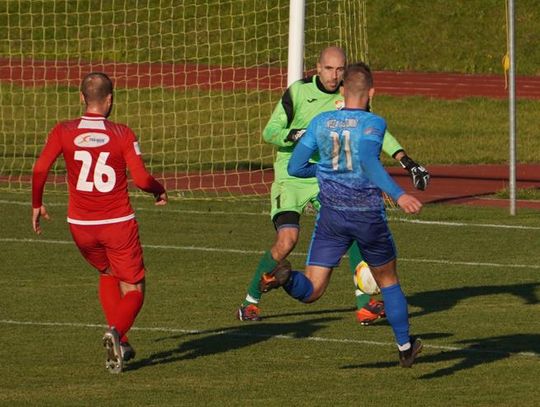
[293, 195]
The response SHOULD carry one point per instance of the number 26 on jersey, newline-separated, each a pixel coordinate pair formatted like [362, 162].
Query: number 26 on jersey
[103, 177]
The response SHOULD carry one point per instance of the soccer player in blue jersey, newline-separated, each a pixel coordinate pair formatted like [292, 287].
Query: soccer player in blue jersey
[351, 178]
[291, 196]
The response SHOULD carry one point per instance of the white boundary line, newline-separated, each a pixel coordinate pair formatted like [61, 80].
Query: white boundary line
[264, 213]
[463, 224]
[241, 251]
[240, 334]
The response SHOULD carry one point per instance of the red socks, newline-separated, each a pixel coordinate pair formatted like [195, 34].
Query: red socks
[119, 312]
[127, 311]
[109, 295]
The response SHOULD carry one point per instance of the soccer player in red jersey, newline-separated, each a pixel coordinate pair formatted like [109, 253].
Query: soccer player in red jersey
[102, 222]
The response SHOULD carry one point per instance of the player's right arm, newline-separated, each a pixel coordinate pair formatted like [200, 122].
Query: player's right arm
[277, 130]
[51, 151]
[299, 165]
[142, 178]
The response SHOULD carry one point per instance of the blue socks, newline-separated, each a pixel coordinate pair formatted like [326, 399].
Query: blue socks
[395, 306]
[299, 286]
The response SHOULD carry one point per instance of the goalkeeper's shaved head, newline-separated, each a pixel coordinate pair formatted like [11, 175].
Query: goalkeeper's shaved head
[95, 87]
[358, 78]
[332, 51]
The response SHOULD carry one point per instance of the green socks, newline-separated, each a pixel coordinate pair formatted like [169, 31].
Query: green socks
[355, 257]
[266, 265]
[361, 299]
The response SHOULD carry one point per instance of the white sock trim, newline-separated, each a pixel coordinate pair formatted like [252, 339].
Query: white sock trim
[404, 347]
[252, 300]
[359, 293]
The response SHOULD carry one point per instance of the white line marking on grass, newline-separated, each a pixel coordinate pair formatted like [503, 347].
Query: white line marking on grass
[241, 251]
[28, 203]
[462, 224]
[264, 213]
[9, 240]
[255, 335]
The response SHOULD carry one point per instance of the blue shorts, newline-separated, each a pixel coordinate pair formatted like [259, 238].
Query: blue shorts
[336, 230]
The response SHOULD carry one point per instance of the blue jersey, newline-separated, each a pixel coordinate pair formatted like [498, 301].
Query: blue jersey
[349, 172]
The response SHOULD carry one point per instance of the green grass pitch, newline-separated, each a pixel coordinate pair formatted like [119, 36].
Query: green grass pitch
[470, 274]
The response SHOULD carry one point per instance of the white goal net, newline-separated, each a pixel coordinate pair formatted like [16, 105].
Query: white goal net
[196, 80]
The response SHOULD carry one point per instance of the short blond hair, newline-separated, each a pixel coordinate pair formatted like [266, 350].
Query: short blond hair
[358, 78]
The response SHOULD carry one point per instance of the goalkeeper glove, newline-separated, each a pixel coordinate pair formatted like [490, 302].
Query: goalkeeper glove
[419, 175]
[295, 135]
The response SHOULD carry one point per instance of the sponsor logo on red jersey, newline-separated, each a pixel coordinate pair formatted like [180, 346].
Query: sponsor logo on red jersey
[91, 140]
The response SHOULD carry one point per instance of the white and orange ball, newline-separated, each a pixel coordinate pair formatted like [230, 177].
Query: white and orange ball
[364, 279]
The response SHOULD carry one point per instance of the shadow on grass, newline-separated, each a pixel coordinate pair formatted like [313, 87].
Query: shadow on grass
[474, 353]
[442, 300]
[223, 340]
[311, 312]
[208, 343]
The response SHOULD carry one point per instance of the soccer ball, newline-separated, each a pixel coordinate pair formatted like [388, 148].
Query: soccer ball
[364, 281]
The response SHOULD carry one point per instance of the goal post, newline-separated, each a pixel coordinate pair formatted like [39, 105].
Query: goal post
[196, 80]
[295, 67]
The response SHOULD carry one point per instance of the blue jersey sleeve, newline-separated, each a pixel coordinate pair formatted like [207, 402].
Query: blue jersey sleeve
[299, 165]
[374, 129]
[374, 170]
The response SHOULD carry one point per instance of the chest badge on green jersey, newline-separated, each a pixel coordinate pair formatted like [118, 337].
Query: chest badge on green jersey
[340, 104]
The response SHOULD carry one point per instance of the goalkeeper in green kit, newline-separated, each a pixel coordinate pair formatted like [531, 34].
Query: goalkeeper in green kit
[300, 103]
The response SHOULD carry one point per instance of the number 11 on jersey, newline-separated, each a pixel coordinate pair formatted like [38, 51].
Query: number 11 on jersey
[336, 151]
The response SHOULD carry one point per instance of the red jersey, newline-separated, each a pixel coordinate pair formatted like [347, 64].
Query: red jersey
[97, 153]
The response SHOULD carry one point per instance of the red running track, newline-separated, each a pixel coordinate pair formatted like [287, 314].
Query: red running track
[30, 72]
[472, 184]
[452, 184]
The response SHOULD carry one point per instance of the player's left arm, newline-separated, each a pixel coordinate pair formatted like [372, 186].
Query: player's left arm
[142, 178]
[419, 174]
[369, 151]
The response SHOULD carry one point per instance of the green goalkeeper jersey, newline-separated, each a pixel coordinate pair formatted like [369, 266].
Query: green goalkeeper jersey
[300, 103]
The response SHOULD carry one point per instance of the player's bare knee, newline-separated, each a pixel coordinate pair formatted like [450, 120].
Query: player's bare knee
[285, 243]
[317, 293]
[319, 277]
[287, 226]
[126, 287]
[385, 275]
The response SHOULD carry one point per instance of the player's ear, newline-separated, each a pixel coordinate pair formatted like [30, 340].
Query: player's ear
[371, 93]
[342, 90]
[109, 103]
[82, 98]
